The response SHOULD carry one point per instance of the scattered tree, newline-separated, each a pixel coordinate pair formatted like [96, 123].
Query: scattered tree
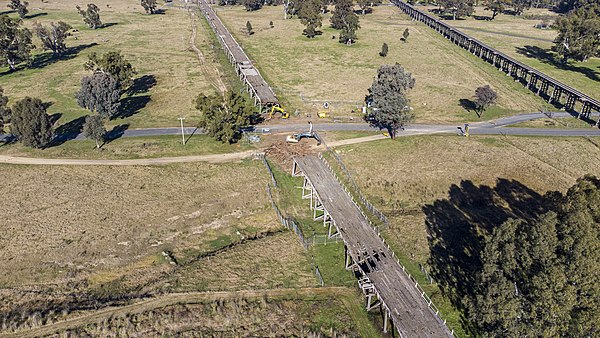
[223, 118]
[346, 20]
[99, 93]
[253, 5]
[53, 37]
[91, 16]
[310, 16]
[365, 6]
[384, 50]
[539, 275]
[94, 129]
[578, 34]
[19, 7]
[249, 28]
[485, 96]
[113, 64]
[4, 110]
[15, 42]
[149, 6]
[405, 35]
[388, 99]
[30, 123]
[458, 8]
[520, 5]
[271, 24]
[496, 6]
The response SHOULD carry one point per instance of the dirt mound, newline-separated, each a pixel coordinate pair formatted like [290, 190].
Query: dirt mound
[282, 152]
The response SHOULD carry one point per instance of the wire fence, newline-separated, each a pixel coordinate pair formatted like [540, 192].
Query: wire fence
[268, 166]
[306, 242]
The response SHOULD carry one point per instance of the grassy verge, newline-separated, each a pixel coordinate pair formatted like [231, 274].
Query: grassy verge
[130, 148]
[554, 123]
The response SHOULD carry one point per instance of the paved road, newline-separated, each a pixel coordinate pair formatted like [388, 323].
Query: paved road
[480, 128]
[494, 127]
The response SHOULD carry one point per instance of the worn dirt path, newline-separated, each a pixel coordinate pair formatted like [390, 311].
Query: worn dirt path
[211, 73]
[171, 299]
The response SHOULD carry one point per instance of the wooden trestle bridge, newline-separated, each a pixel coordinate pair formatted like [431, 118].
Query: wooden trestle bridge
[382, 278]
[256, 85]
[543, 85]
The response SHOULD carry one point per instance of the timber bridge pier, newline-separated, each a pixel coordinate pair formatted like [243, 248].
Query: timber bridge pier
[543, 85]
[382, 279]
[256, 85]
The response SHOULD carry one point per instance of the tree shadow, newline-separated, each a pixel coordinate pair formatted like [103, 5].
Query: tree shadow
[482, 17]
[68, 131]
[55, 117]
[108, 24]
[115, 133]
[160, 11]
[132, 105]
[45, 59]
[7, 12]
[468, 105]
[546, 56]
[35, 15]
[457, 227]
[142, 85]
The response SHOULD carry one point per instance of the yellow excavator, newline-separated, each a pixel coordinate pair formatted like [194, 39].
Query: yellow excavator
[277, 109]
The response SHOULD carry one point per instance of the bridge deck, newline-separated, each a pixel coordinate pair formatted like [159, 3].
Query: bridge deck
[242, 61]
[411, 315]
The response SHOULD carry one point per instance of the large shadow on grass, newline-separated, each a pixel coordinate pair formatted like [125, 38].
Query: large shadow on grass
[458, 225]
[115, 133]
[32, 16]
[68, 131]
[132, 105]
[548, 57]
[45, 59]
[142, 85]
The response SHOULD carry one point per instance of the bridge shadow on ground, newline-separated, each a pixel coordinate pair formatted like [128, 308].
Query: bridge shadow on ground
[459, 224]
[548, 57]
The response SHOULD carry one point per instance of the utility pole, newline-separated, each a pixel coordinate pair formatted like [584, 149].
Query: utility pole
[182, 132]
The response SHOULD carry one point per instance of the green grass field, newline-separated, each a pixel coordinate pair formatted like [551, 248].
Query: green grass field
[307, 72]
[156, 45]
[517, 37]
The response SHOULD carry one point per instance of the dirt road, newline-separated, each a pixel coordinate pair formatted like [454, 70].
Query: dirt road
[176, 298]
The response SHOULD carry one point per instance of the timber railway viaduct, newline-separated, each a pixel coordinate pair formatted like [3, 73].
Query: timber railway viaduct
[256, 86]
[543, 85]
[382, 278]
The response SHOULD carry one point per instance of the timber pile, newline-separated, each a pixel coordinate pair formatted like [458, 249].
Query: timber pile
[283, 152]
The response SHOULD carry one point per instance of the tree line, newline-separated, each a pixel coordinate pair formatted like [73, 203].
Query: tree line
[536, 273]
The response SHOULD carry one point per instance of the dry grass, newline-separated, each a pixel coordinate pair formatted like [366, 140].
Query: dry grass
[156, 45]
[511, 34]
[266, 316]
[308, 72]
[554, 123]
[401, 176]
[129, 148]
[276, 261]
[68, 223]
